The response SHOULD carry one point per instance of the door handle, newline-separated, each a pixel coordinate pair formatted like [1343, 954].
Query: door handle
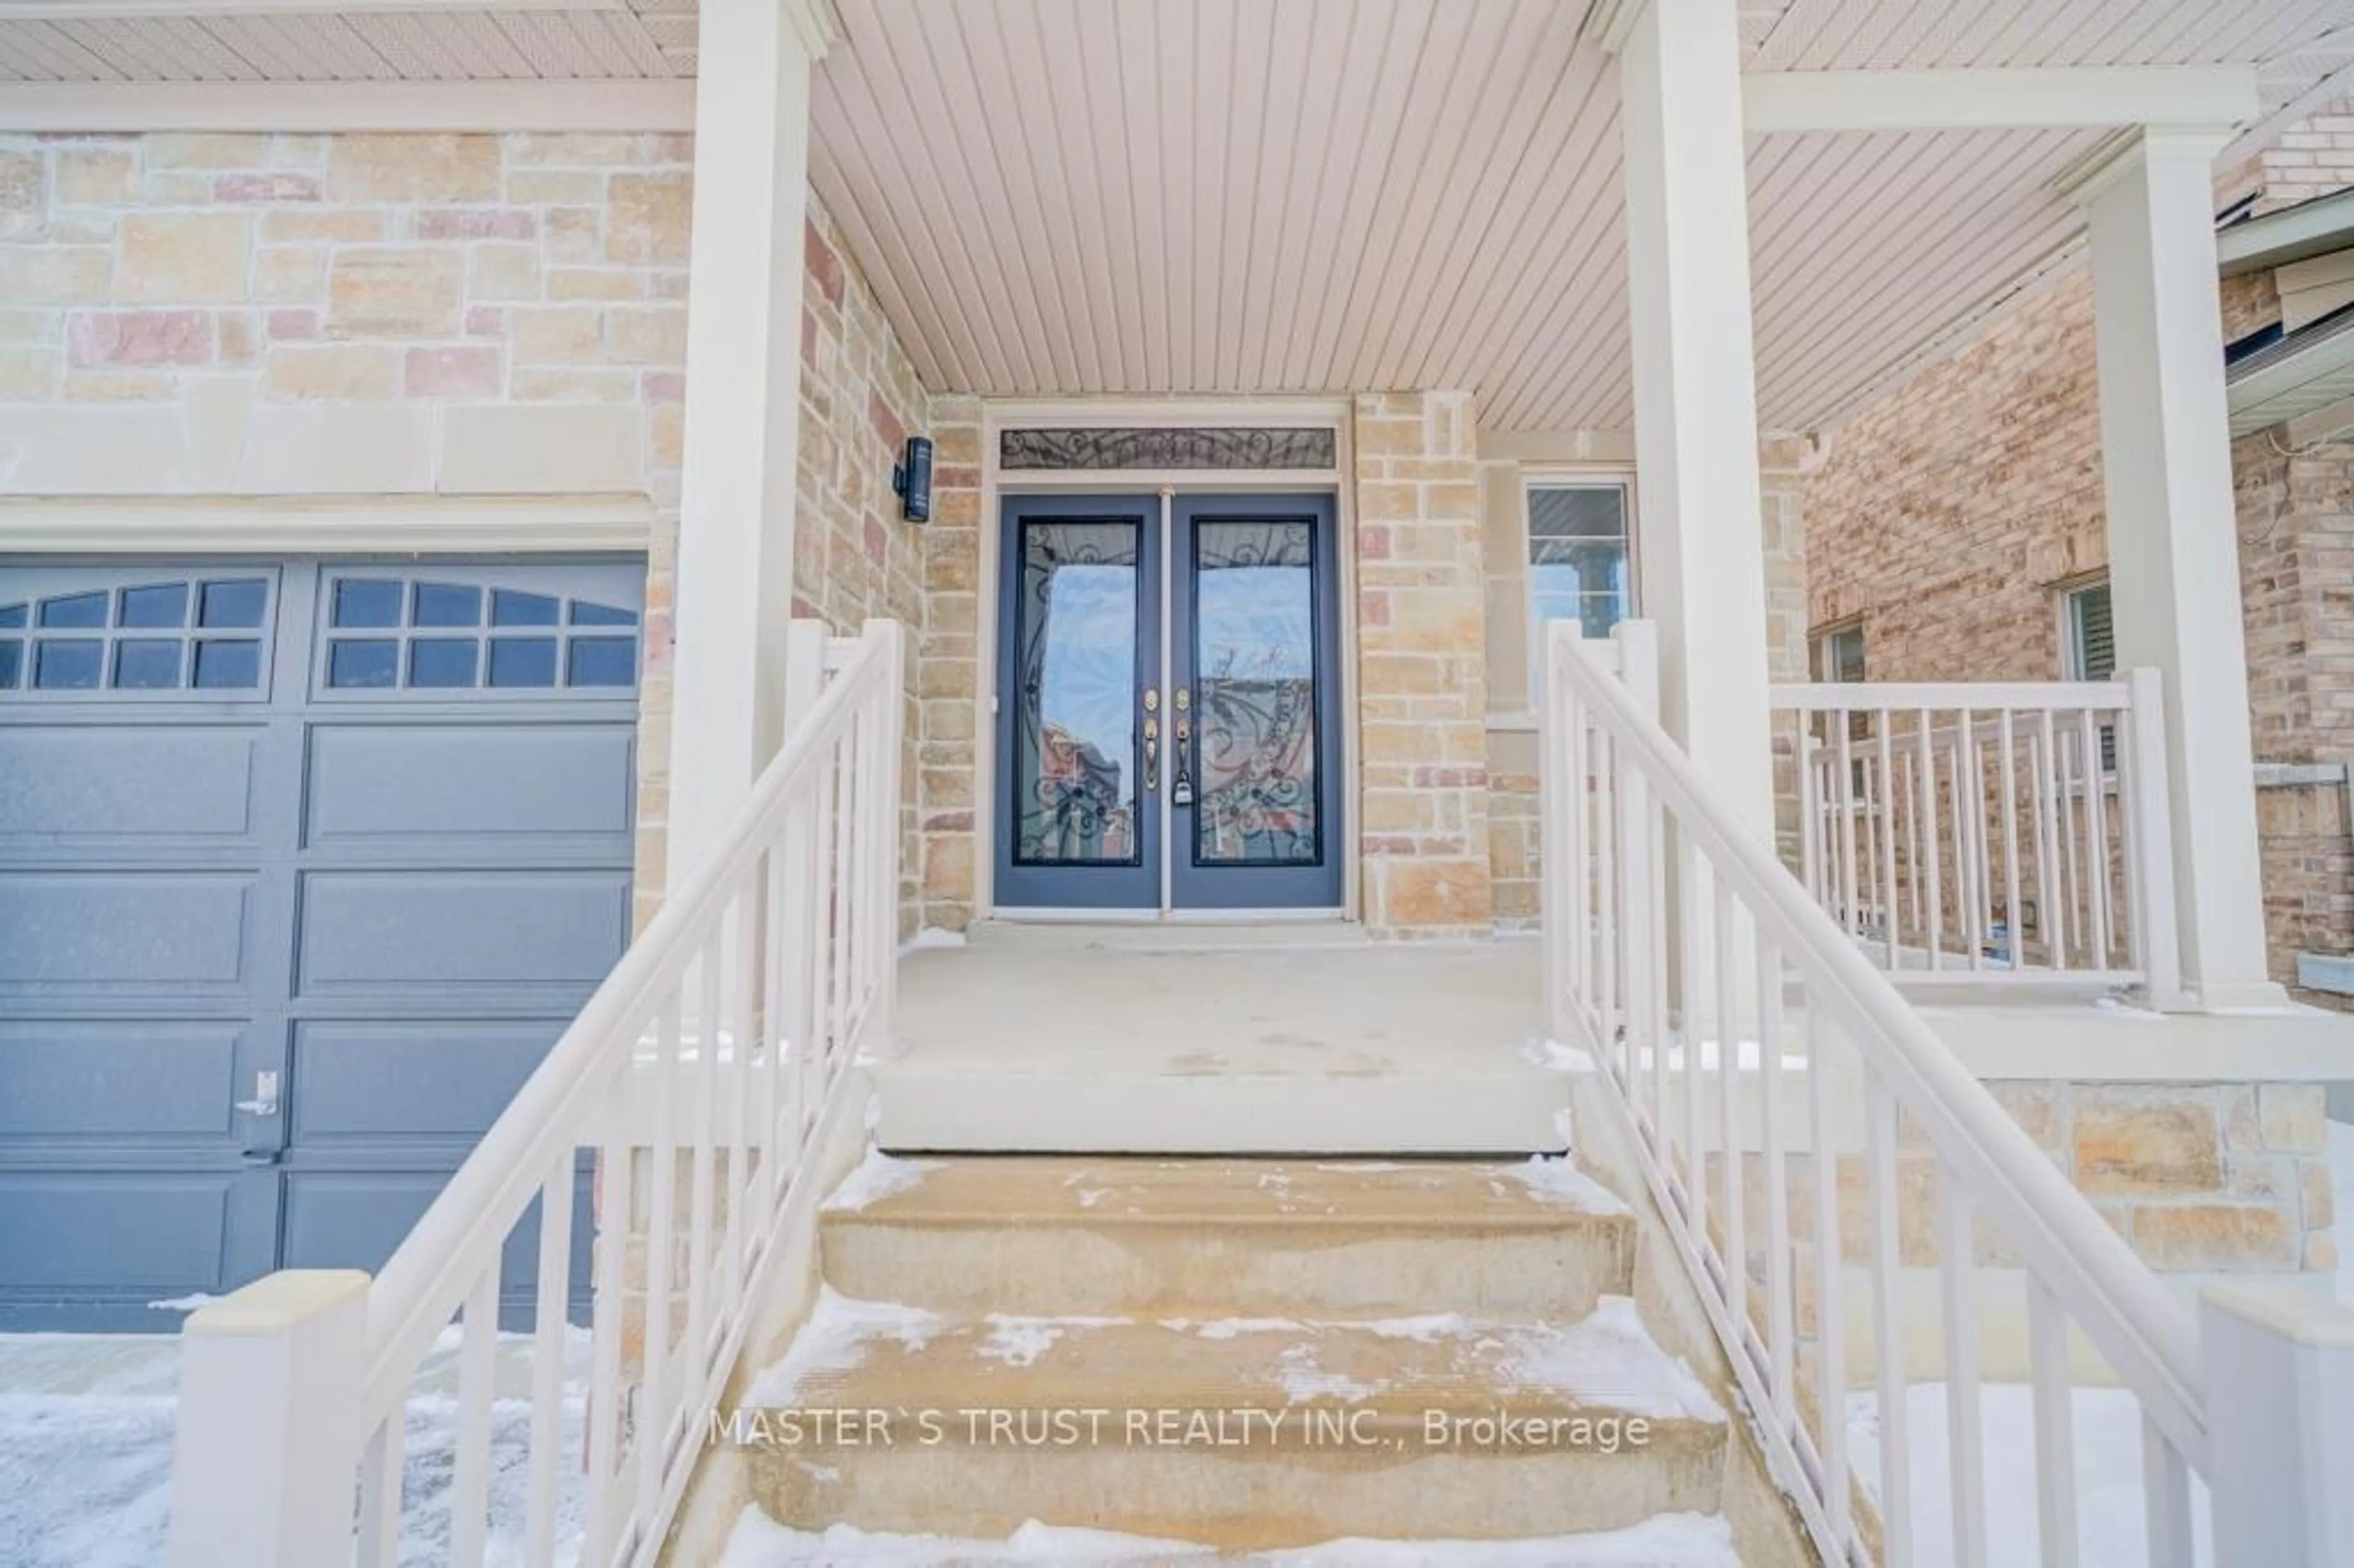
[1180, 787]
[265, 1096]
[1152, 754]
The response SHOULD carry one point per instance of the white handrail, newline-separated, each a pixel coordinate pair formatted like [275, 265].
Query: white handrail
[1992, 833]
[1624, 804]
[769, 969]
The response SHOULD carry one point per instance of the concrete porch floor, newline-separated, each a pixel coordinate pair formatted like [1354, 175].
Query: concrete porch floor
[1245, 1040]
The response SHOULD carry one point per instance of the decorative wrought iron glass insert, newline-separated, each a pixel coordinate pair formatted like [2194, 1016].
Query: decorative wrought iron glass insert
[1075, 772]
[1196, 447]
[1256, 687]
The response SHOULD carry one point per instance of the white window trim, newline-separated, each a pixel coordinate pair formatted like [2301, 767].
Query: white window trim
[2064, 601]
[1818, 649]
[1561, 476]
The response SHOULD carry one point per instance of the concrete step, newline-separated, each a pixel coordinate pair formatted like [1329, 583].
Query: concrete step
[1367, 1050]
[1244, 1433]
[1534, 1239]
[1666, 1541]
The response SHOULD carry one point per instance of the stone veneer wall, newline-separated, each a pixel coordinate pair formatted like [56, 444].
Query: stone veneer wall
[1422, 668]
[948, 754]
[855, 557]
[410, 317]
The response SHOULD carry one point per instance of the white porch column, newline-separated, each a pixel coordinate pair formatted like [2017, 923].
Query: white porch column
[2173, 563]
[735, 585]
[1700, 515]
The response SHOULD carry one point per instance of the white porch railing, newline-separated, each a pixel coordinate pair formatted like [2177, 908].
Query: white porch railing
[736, 1015]
[1992, 833]
[1735, 1023]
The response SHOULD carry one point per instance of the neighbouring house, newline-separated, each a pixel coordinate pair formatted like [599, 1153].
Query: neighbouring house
[713, 710]
[1954, 517]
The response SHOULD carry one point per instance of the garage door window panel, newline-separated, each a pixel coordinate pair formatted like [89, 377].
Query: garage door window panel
[391, 637]
[128, 632]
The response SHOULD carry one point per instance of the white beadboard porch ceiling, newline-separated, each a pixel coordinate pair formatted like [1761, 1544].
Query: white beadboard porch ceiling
[1149, 196]
[1240, 196]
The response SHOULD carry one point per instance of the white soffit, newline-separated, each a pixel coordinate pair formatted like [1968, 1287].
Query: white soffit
[1310, 195]
[1148, 196]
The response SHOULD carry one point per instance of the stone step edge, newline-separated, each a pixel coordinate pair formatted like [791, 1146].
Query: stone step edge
[1451, 1226]
[1664, 1540]
[1147, 1385]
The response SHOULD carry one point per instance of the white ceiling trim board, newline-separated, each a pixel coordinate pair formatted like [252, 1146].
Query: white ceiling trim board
[482, 106]
[1997, 99]
[138, 10]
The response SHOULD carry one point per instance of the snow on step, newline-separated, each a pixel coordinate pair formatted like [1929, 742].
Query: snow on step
[1246, 1432]
[1535, 1239]
[1665, 1541]
[855, 1354]
[1015, 1189]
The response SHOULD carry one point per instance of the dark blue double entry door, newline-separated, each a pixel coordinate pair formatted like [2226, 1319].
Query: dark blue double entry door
[1169, 705]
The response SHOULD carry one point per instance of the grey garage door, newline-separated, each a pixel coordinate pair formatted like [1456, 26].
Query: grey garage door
[303, 865]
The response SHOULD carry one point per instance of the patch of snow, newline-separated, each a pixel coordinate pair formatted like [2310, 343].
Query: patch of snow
[1559, 1182]
[1090, 1196]
[2112, 1524]
[931, 936]
[88, 1474]
[1018, 1342]
[1553, 1056]
[876, 1178]
[836, 1339]
[1607, 1359]
[1301, 1378]
[760, 1541]
[1227, 1328]
[186, 1303]
[1425, 1329]
[1664, 1540]
[1667, 1541]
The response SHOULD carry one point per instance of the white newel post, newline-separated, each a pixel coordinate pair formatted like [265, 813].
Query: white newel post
[267, 1450]
[2174, 565]
[735, 583]
[1700, 513]
[2278, 1361]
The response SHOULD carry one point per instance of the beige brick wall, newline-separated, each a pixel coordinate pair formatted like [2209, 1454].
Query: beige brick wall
[420, 316]
[1422, 675]
[2314, 160]
[1952, 511]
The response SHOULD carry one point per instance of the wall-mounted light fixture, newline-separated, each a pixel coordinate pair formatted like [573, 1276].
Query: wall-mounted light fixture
[912, 479]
